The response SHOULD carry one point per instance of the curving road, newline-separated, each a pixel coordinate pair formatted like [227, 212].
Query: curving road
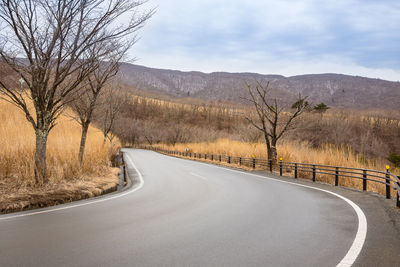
[187, 214]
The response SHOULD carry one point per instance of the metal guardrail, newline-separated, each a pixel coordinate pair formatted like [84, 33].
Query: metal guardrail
[389, 180]
[120, 162]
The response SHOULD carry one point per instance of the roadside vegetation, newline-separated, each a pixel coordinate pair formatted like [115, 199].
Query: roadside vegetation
[57, 59]
[67, 179]
[331, 136]
[56, 52]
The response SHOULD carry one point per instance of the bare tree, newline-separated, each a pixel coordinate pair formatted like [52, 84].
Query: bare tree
[111, 106]
[272, 117]
[54, 46]
[85, 105]
[175, 133]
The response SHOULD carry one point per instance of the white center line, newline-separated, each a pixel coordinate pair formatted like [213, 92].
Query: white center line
[199, 176]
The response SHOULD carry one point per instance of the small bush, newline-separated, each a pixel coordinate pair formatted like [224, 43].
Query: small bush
[394, 158]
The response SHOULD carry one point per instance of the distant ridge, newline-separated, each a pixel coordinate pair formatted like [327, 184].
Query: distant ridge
[337, 90]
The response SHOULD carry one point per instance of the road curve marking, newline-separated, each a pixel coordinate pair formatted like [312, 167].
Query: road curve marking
[361, 234]
[89, 202]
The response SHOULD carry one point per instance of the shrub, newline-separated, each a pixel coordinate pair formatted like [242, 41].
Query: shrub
[394, 158]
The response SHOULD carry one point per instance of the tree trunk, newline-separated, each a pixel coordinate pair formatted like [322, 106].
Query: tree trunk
[40, 156]
[85, 127]
[274, 153]
[105, 139]
[269, 150]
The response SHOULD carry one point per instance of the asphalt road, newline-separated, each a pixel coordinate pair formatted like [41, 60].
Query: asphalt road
[186, 213]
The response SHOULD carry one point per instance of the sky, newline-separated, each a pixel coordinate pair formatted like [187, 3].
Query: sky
[287, 37]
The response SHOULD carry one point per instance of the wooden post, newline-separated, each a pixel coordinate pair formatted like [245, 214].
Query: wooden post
[336, 176]
[364, 180]
[313, 173]
[387, 183]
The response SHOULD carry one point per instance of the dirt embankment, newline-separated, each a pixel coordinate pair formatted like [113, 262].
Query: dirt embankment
[26, 198]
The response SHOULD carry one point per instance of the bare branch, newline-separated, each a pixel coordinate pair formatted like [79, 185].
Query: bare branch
[274, 120]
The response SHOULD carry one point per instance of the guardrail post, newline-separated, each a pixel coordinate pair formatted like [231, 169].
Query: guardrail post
[219, 157]
[229, 159]
[205, 156]
[295, 171]
[387, 184]
[364, 180]
[212, 157]
[240, 161]
[398, 195]
[124, 170]
[313, 173]
[254, 163]
[270, 165]
[280, 167]
[336, 176]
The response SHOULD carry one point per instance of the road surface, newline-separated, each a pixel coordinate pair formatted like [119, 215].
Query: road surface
[186, 213]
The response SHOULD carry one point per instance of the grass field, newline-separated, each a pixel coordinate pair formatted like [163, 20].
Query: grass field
[18, 145]
[17, 142]
[288, 151]
[295, 152]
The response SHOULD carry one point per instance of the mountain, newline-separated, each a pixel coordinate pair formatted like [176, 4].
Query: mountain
[333, 89]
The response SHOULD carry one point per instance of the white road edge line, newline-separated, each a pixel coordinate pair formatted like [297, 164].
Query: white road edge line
[199, 176]
[359, 240]
[141, 183]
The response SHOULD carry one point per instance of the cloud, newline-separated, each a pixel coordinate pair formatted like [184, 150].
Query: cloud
[289, 37]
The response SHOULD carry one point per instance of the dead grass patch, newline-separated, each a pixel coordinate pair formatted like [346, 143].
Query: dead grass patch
[67, 180]
[25, 198]
[342, 156]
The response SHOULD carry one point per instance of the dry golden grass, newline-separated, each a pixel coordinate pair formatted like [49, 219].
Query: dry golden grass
[18, 145]
[56, 193]
[288, 151]
[67, 180]
[294, 152]
[187, 107]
